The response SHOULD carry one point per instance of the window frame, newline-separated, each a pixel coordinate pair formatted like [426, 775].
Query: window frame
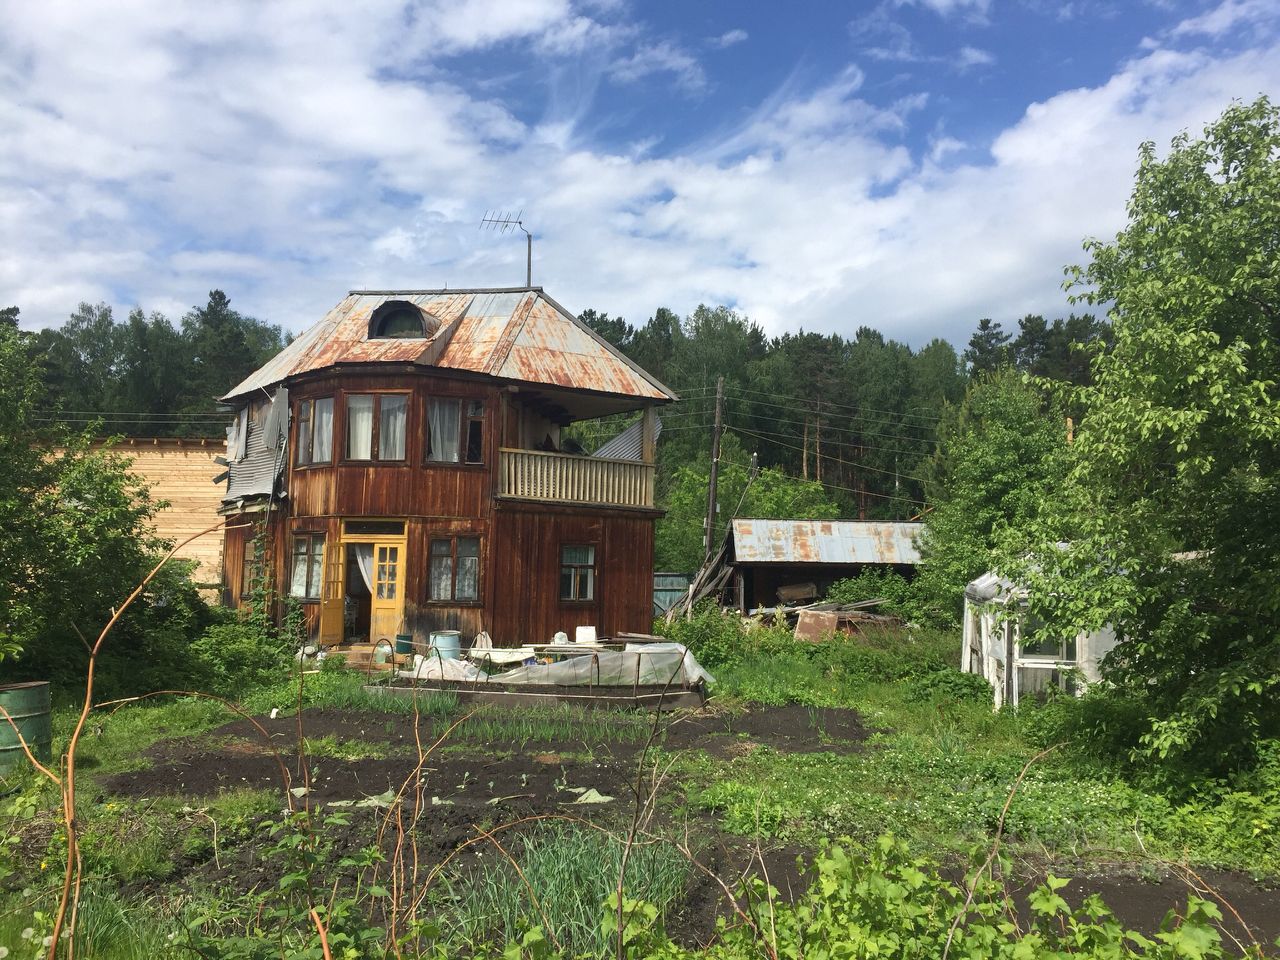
[306, 416]
[314, 561]
[452, 539]
[465, 420]
[593, 566]
[375, 440]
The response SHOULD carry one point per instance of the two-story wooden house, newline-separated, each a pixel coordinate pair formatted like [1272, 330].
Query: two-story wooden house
[403, 460]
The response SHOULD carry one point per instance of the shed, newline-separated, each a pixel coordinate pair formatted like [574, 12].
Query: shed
[999, 631]
[790, 560]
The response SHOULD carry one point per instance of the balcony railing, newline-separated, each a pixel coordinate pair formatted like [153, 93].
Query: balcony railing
[561, 478]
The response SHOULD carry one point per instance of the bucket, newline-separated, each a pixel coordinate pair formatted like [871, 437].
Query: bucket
[28, 704]
[448, 643]
[404, 643]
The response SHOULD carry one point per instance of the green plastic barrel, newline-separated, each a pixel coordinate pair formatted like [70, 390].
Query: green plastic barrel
[28, 705]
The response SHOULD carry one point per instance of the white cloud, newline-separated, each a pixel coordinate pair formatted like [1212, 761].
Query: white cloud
[974, 9]
[728, 39]
[888, 39]
[266, 149]
[1227, 16]
[970, 57]
[659, 58]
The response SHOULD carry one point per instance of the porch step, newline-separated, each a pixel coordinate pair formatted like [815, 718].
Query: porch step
[360, 656]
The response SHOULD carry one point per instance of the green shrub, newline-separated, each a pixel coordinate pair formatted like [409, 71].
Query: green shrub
[950, 685]
[870, 584]
[230, 658]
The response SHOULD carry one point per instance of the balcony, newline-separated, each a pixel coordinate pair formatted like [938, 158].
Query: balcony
[562, 478]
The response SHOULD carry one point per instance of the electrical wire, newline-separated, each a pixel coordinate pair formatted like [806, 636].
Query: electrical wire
[836, 415]
[844, 406]
[848, 463]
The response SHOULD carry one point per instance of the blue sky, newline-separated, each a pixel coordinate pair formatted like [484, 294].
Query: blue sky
[909, 164]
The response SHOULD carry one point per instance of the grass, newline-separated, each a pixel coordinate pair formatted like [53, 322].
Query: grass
[937, 774]
[107, 928]
[940, 770]
[571, 871]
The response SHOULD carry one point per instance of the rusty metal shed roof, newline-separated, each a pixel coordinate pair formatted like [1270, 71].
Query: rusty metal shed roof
[825, 541]
[518, 334]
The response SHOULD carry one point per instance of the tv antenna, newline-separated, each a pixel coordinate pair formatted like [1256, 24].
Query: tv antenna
[507, 222]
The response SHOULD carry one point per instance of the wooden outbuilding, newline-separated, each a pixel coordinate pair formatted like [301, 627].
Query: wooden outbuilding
[399, 468]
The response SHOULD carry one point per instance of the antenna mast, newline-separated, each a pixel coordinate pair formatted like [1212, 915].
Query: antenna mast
[507, 222]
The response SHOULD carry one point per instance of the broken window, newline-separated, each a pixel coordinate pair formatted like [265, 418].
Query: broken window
[305, 567]
[315, 431]
[376, 426]
[577, 572]
[455, 570]
[455, 431]
[475, 431]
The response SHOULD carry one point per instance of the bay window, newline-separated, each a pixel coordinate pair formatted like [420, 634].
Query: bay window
[376, 426]
[315, 431]
[455, 431]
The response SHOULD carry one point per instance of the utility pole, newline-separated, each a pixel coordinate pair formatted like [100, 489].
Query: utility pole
[805, 458]
[715, 468]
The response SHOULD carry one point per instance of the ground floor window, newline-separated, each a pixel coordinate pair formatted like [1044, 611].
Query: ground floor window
[250, 569]
[577, 572]
[455, 569]
[306, 564]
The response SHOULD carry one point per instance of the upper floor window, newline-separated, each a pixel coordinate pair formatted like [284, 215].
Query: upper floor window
[577, 572]
[455, 569]
[376, 425]
[315, 431]
[398, 319]
[455, 431]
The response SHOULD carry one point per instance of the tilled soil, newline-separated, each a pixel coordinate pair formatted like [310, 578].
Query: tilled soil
[470, 784]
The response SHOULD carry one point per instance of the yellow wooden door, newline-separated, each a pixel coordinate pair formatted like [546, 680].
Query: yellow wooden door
[332, 595]
[387, 607]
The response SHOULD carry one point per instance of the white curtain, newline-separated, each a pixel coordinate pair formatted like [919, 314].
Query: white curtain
[391, 428]
[359, 428]
[443, 417]
[322, 431]
[364, 560]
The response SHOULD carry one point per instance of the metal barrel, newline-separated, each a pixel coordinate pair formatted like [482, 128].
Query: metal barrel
[446, 643]
[28, 705]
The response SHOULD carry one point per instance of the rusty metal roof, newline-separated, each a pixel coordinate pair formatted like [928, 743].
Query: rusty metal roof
[516, 334]
[825, 541]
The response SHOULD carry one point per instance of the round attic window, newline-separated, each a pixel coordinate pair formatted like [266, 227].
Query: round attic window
[399, 319]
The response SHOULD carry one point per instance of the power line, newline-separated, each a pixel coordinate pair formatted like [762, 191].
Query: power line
[868, 493]
[836, 415]
[842, 406]
[856, 466]
[133, 415]
[862, 446]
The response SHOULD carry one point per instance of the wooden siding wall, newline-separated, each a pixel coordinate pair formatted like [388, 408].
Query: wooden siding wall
[519, 542]
[181, 472]
[526, 572]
